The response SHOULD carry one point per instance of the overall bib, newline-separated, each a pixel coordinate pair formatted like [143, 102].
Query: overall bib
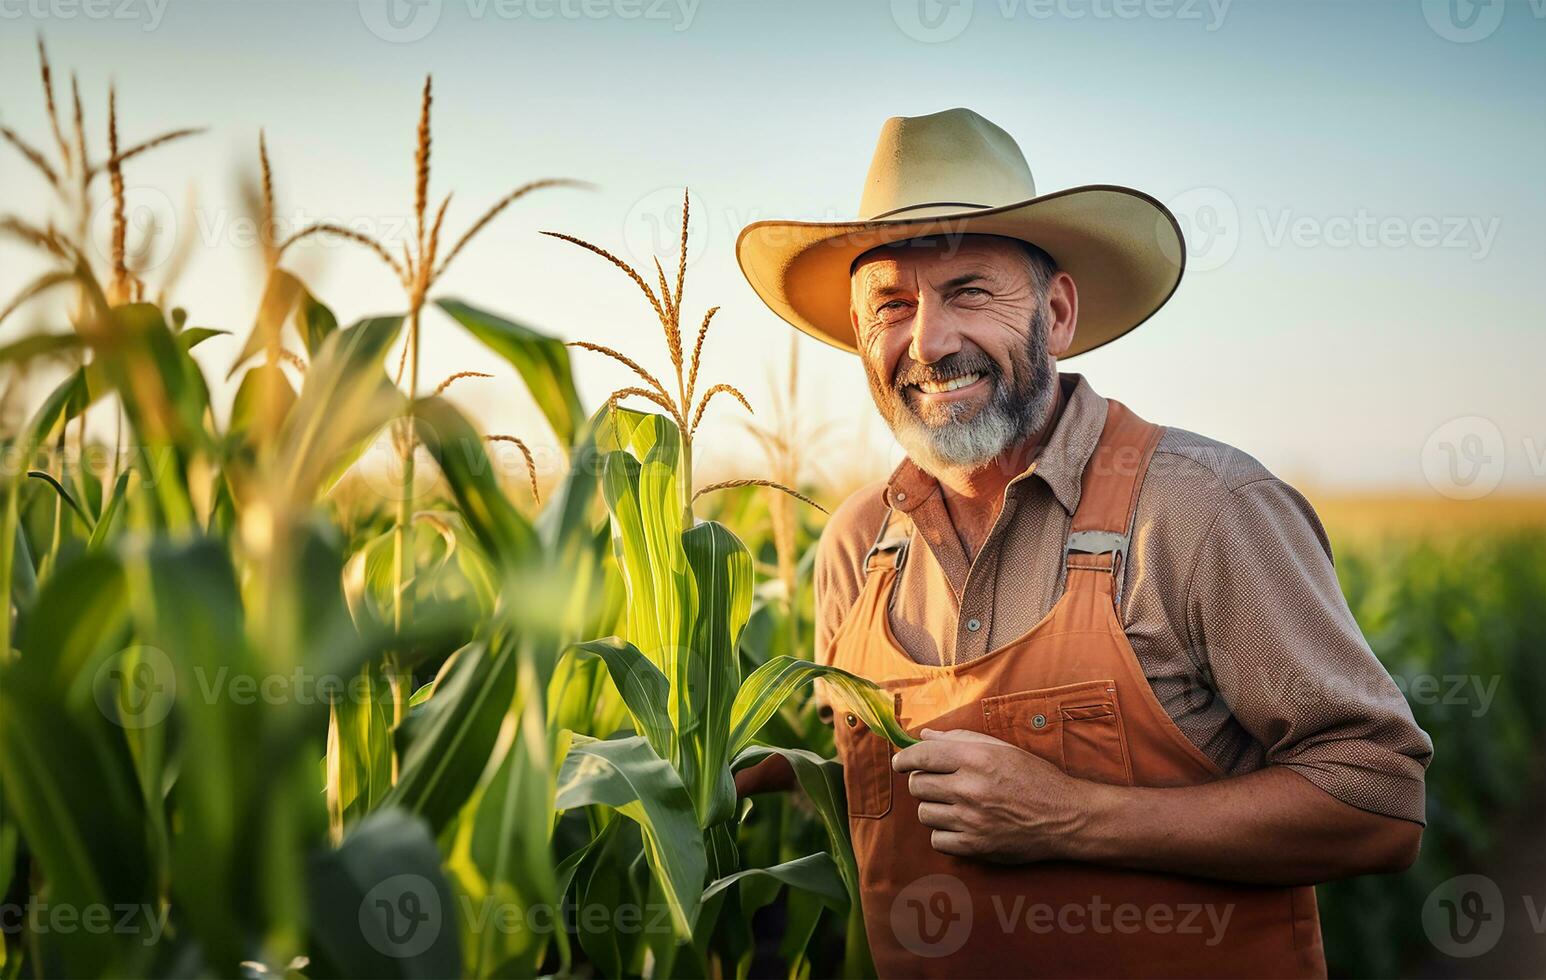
[1072, 692]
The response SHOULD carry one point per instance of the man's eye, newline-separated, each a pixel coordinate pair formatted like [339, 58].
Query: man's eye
[973, 292]
[892, 308]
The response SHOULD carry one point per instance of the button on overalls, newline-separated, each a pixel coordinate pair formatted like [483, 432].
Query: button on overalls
[1072, 692]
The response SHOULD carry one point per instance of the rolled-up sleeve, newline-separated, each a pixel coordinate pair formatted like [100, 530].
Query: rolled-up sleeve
[1284, 651]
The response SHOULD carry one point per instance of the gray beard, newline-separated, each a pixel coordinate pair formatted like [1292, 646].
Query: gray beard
[946, 441]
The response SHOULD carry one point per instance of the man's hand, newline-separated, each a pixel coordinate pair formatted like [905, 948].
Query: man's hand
[989, 800]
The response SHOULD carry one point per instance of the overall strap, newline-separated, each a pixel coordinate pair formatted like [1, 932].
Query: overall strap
[1102, 525]
[890, 547]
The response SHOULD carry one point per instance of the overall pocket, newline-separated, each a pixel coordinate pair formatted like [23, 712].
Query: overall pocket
[1077, 727]
[866, 767]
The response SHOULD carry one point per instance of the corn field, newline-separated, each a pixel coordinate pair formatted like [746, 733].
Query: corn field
[258, 719]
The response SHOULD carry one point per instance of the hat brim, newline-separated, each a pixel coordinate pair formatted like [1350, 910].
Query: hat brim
[1124, 249]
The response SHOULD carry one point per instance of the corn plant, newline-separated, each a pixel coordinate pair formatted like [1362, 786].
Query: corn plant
[678, 669]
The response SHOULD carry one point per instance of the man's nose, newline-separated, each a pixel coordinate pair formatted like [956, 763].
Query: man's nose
[935, 332]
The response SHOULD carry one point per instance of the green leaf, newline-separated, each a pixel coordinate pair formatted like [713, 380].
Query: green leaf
[285, 298]
[359, 750]
[628, 776]
[815, 873]
[27, 349]
[709, 678]
[345, 399]
[99, 534]
[769, 685]
[643, 687]
[163, 394]
[542, 361]
[194, 336]
[454, 732]
[643, 497]
[262, 401]
[502, 855]
[822, 782]
[68, 777]
[189, 609]
[459, 451]
[64, 495]
[380, 905]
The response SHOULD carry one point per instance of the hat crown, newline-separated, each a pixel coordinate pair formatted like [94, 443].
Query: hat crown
[942, 163]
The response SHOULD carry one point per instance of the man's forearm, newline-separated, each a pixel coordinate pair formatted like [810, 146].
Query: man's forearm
[1272, 826]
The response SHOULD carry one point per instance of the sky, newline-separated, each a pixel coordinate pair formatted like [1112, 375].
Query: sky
[1359, 181]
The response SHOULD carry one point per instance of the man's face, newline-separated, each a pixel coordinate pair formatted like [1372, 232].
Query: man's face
[955, 342]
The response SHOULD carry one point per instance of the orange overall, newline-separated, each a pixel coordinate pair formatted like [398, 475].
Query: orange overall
[1072, 692]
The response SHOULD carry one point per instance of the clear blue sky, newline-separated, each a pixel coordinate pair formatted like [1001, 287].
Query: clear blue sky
[1362, 180]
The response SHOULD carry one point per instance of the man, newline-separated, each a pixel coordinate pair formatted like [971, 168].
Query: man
[1149, 722]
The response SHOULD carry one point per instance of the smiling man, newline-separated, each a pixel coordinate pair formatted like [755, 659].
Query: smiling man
[1149, 722]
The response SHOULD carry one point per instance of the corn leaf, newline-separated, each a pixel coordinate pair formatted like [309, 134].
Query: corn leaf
[194, 336]
[711, 674]
[64, 495]
[822, 782]
[458, 448]
[262, 401]
[189, 608]
[380, 905]
[644, 689]
[501, 856]
[104, 527]
[543, 363]
[643, 497]
[27, 349]
[346, 398]
[67, 775]
[769, 685]
[628, 776]
[359, 750]
[453, 733]
[815, 873]
[285, 299]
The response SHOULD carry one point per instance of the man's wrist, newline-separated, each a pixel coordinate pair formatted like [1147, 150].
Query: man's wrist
[1099, 822]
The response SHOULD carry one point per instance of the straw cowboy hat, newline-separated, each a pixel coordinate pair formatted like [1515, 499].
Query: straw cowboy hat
[954, 173]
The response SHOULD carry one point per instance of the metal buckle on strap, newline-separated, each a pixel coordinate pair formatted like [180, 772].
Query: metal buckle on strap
[1097, 543]
[892, 536]
[1101, 543]
[899, 545]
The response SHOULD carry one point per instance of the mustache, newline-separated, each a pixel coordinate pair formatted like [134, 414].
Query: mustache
[950, 366]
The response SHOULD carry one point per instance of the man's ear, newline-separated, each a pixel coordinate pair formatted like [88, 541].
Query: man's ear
[1063, 313]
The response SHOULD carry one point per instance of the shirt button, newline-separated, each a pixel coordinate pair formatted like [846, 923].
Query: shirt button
[900, 495]
[973, 625]
[1040, 721]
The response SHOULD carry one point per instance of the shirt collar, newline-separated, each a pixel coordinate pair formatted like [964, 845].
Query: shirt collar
[1060, 464]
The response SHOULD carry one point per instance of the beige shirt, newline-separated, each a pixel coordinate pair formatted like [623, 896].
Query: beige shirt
[1230, 602]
